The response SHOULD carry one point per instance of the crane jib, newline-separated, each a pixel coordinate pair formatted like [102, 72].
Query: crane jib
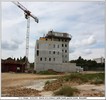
[27, 12]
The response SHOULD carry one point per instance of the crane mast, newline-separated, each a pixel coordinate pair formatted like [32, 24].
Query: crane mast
[27, 16]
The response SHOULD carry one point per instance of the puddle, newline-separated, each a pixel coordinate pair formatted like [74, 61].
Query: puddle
[37, 84]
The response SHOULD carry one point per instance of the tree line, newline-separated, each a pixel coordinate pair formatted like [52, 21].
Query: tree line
[89, 65]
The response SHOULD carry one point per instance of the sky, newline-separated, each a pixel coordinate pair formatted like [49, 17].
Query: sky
[83, 20]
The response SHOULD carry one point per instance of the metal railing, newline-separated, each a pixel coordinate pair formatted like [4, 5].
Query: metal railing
[59, 34]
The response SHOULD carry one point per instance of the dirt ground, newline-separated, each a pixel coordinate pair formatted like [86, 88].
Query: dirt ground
[16, 85]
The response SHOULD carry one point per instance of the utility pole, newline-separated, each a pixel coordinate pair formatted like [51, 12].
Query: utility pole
[27, 16]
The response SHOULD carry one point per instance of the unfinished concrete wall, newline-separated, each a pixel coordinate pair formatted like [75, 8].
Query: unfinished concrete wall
[62, 67]
[69, 67]
[49, 52]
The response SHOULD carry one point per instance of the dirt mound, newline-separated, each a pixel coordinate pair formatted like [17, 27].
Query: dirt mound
[17, 92]
[53, 86]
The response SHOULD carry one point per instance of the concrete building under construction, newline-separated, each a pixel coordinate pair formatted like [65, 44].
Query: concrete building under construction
[52, 52]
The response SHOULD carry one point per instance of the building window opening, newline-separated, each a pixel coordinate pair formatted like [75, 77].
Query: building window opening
[40, 59]
[37, 52]
[54, 59]
[53, 52]
[65, 51]
[62, 45]
[49, 59]
[54, 45]
[65, 45]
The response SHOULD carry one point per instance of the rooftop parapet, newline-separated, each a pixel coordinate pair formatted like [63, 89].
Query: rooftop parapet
[58, 35]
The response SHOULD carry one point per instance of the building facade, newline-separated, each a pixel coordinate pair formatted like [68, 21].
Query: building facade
[52, 52]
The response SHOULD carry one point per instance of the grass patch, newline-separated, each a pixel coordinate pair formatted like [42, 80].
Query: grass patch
[76, 77]
[47, 73]
[83, 78]
[66, 91]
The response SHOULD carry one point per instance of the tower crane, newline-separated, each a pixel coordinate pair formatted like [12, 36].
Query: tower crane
[27, 16]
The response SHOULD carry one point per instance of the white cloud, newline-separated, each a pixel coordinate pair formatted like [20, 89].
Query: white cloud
[9, 46]
[87, 51]
[94, 53]
[86, 41]
[17, 41]
[89, 41]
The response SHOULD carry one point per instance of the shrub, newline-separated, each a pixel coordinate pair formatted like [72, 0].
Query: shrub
[66, 91]
[47, 82]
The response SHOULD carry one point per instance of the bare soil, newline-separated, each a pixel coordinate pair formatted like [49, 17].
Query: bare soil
[91, 90]
[16, 85]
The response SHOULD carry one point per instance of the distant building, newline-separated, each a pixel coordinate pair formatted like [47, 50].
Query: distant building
[52, 52]
[9, 65]
[79, 69]
[100, 60]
